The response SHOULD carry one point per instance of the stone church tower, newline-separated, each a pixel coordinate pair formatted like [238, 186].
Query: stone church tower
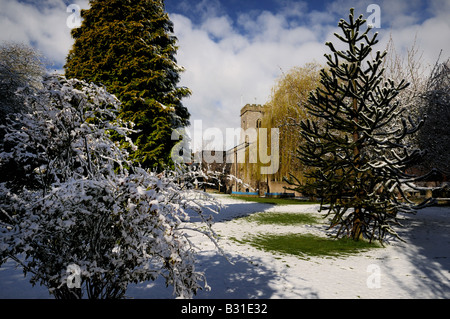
[252, 181]
[251, 116]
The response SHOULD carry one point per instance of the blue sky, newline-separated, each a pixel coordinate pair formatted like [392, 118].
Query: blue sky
[234, 8]
[233, 51]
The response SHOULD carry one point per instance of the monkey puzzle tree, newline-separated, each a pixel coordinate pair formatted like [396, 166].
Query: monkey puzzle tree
[358, 151]
[128, 46]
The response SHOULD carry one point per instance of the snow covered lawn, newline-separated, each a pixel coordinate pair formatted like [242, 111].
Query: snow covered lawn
[419, 268]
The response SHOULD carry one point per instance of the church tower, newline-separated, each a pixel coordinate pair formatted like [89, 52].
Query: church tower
[251, 116]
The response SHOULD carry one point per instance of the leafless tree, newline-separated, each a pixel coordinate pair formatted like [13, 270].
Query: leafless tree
[20, 66]
[435, 135]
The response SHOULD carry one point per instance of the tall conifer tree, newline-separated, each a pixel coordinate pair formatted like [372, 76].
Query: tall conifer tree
[356, 146]
[128, 46]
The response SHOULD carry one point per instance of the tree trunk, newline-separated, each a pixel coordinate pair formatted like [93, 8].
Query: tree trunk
[356, 232]
[357, 227]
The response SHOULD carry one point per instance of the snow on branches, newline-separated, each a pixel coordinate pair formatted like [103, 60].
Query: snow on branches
[435, 102]
[69, 196]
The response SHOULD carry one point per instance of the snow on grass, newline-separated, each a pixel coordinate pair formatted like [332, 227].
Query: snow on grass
[418, 268]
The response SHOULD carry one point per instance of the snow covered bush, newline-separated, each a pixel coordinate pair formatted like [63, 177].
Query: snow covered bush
[70, 198]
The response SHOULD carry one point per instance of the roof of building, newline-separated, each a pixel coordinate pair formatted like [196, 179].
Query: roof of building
[253, 108]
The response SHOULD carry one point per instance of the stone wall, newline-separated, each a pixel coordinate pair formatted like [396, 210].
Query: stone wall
[250, 114]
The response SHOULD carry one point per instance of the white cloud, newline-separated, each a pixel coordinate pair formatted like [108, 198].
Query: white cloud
[228, 65]
[41, 25]
[231, 62]
[430, 33]
[218, 27]
[227, 60]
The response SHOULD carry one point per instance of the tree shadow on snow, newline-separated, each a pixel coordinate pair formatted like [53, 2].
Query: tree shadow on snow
[231, 211]
[427, 237]
[14, 285]
[242, 279]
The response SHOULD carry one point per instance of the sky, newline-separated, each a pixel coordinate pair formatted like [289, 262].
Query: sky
[233, 51]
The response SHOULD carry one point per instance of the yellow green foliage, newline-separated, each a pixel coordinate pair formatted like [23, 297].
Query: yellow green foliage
[286, 109]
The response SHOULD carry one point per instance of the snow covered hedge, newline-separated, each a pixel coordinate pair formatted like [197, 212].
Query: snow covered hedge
[69, 198]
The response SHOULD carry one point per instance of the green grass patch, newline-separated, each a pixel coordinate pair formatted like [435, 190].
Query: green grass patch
[274, 201]
[284, 219]
[304, 245]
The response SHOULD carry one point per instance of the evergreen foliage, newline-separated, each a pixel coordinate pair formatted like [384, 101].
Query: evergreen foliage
[128, 46]
[358, 151]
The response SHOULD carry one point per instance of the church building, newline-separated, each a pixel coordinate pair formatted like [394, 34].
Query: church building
[247, 178]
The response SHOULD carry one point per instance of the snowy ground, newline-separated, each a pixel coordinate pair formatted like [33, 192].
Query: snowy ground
[419, 268]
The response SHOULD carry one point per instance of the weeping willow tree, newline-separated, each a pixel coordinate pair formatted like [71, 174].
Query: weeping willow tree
[285, 110]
